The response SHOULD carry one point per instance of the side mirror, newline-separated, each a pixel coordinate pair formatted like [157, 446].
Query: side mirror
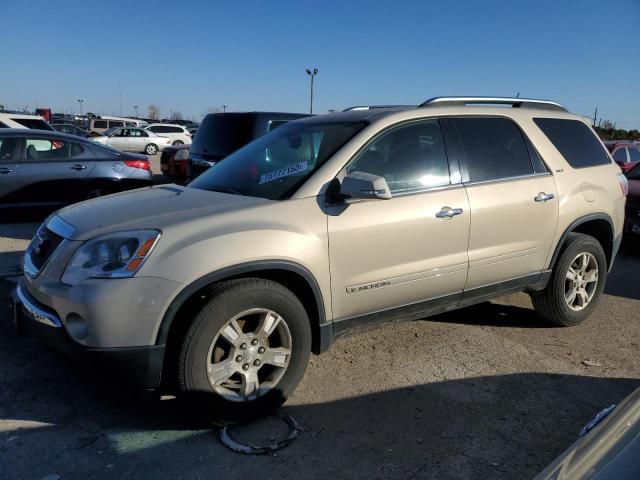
[363, 185]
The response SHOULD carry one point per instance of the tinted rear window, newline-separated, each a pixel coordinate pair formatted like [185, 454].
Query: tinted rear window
[576, 142]
[100, 124]
[495, 149]
[220, 135]
[33, 123]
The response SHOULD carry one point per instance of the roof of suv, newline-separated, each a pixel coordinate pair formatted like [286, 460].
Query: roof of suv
[446, 105]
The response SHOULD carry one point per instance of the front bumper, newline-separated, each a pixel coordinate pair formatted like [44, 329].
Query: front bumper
[141, 366]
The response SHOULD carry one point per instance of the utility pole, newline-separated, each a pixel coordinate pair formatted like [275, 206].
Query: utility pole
[120, 95]
[311, 74]
[595, 116]
[135, 107]
[224, 108]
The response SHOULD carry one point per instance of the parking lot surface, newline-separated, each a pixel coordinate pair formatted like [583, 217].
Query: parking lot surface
[486, 392]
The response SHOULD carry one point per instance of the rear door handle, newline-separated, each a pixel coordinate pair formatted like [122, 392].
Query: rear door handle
[77, 166]
[4, 170]
[543, 197]
[448, 212]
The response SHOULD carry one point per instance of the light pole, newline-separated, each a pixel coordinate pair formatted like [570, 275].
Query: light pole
[224, 108]
[135, 107]
[80, 101]
[312, 74]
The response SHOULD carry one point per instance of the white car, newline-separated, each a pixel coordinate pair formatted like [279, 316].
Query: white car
[21, 120]
[133, 140]
[178, 134]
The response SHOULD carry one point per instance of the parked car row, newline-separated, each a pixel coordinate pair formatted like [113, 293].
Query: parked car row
[51, 169]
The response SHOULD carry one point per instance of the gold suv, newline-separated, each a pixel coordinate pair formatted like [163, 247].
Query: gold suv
[327, 224]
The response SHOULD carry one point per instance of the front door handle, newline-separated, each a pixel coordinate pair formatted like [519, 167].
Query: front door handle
[448, 212]
[543, 197]
[77, 166]
[4, 170]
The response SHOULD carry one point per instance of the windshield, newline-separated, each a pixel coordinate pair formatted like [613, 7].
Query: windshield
[275, 165]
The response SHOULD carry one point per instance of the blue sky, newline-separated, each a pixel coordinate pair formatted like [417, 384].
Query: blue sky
[192, 55]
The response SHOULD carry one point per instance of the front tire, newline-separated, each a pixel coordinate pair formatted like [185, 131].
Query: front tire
[151, 149]
[246, 350]
[576, 284]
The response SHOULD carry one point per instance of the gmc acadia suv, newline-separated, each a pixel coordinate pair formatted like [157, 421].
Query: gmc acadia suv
[326, 224]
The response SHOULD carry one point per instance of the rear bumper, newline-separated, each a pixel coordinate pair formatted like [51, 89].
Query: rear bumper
[141, 366]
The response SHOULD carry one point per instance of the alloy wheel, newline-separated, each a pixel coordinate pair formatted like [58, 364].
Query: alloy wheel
[249, 355]
[581, 281]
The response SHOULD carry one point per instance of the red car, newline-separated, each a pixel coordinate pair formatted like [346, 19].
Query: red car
[625, 154]
[632, 223]
[174, 162]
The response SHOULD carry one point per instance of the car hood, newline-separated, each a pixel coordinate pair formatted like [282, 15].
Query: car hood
[149, 208]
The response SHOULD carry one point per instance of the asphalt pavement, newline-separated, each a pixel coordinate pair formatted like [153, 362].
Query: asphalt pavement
[489, 391]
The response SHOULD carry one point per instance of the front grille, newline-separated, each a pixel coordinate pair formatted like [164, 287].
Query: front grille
[42, 247]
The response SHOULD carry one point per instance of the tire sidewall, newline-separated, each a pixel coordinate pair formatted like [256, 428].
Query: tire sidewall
[214, 316]
[585, 244]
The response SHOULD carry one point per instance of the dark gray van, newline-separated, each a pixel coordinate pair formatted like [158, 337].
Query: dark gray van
[221, 134]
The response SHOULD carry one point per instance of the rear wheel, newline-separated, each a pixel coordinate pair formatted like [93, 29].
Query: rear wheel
[177, 142]
[151, 149]
[576, 283]
[247, 349]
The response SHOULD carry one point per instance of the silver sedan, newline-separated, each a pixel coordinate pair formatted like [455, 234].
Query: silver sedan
[133, 140]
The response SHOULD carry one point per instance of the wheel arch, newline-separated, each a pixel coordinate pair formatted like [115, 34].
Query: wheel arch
[182, 310]
[598, 225]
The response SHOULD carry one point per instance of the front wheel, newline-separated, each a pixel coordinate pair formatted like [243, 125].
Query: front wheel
[247, 349]
[576, 283]
[151, 149]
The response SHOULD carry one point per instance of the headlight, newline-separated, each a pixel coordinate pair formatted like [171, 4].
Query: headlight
[115, 255]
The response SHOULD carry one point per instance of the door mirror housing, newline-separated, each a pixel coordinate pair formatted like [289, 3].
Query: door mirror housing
[363, 185]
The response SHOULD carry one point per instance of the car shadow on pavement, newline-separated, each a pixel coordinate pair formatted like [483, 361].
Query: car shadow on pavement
[493, 314]
[509, 426]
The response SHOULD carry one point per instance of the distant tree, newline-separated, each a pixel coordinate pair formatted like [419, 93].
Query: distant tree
[176, 116]
[154, 112]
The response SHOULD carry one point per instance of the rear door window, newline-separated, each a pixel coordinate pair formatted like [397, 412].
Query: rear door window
[576, 142]
[634, 155]
[53, 149]
[115, 123]
[100, 124]
[495, 149]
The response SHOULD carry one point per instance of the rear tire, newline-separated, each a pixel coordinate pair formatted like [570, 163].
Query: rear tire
[229, 362]
[576, 283]
[151, 149]
[177, 143]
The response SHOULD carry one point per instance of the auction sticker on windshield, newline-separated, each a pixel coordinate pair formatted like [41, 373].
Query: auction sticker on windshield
[283, 172]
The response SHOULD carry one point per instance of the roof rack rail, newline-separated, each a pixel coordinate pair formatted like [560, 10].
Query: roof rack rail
[375, 107]
[513, 101]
